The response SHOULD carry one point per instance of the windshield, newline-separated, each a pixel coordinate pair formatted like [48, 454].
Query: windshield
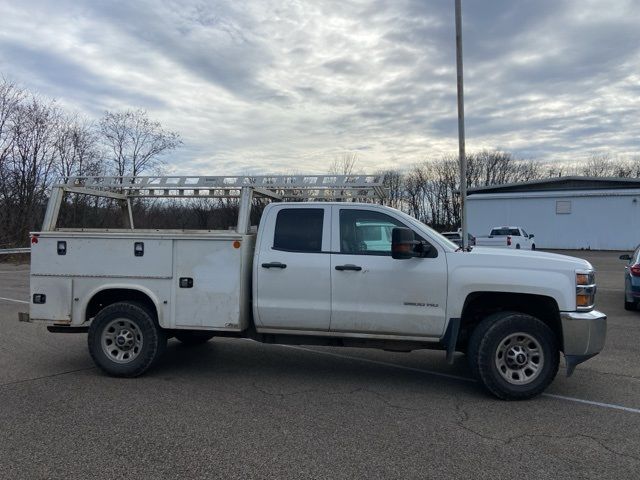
[417, 223]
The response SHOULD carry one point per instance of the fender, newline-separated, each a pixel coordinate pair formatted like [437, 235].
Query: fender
[81, 309]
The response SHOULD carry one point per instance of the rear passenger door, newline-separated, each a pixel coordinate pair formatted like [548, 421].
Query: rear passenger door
[293, 276]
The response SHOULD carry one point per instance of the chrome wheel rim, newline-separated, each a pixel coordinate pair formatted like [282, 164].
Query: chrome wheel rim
[121, 340]
[519, 358]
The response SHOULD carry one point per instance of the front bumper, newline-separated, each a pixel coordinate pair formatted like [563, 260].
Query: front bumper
[583, 334]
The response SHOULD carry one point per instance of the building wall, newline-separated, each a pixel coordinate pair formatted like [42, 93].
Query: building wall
[598, 219]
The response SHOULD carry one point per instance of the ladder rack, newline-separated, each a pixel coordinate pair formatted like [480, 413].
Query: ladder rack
[276, 187]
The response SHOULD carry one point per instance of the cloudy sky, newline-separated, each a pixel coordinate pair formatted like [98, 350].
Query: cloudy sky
[282, 86]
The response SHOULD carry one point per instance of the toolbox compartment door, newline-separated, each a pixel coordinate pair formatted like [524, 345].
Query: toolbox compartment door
[59, 296]
[210, 272]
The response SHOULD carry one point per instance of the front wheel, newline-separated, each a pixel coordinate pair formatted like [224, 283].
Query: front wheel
[630, 305]
[514, 356]
[124, 339]
[533, 246]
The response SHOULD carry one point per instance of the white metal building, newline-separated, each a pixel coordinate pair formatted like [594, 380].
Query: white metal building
[565, 212]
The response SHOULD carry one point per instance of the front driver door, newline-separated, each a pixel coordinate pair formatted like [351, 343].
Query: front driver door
[374, 294]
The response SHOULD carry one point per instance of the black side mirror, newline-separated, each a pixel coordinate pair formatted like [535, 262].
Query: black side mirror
[404, 244]
[626, 256]
[531, 236]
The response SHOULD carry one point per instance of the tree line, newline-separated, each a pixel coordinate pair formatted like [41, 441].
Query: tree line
[40, 143]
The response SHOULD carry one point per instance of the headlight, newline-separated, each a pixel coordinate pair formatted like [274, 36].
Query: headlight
[585, 290]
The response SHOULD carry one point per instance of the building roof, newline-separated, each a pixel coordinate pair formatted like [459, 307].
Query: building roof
[561, 184]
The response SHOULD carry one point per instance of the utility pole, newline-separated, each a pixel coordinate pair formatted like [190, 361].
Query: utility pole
[461, 153]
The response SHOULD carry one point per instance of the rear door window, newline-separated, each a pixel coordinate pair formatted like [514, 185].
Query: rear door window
[299, 230]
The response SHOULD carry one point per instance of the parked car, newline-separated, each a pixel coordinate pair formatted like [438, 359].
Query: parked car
[508, 237]
[456, 237]
[339, 274]
[632, 279]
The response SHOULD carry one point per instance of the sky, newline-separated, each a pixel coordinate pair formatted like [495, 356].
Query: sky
[289, 86]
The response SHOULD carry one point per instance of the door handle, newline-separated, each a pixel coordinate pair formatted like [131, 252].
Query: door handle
[274, 265]
[355, 268]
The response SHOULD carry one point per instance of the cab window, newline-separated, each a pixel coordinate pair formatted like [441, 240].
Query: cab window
[365, 232]
[299, 230]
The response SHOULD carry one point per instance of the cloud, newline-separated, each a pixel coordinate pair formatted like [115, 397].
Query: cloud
[273, 86]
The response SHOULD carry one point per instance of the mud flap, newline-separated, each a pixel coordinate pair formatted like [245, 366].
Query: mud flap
[573, 361]
[451, 338]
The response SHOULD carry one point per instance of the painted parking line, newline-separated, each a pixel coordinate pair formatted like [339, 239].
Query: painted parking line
[13, 300]
[610, 406]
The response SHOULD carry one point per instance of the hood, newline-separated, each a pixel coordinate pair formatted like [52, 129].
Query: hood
[525, 258]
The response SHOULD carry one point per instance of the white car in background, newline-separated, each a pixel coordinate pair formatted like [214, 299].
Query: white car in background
[508, 237]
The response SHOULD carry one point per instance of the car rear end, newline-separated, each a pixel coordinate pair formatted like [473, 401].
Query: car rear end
[632, 280]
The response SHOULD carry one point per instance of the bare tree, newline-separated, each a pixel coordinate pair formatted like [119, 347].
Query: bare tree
[27, 166]
[344, 164]
[76, 147]
[10, 98]
[598, 165]
[134, 142]
[393, 183]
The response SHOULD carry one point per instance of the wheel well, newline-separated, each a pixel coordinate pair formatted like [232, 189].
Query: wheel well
[113, 295]
[479, 305]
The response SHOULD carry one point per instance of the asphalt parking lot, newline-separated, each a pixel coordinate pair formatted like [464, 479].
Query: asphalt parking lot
[238, 409]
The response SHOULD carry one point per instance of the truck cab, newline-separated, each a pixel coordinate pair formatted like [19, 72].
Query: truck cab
[328, 268]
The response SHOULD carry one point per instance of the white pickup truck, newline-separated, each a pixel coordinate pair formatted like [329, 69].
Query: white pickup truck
[316, 273]
[508, 237]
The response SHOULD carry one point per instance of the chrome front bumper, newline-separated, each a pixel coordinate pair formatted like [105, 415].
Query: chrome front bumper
[583, 334]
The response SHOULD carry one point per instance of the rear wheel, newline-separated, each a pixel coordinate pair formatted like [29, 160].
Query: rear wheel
[124, 339]
[193, 337]
[515, 356]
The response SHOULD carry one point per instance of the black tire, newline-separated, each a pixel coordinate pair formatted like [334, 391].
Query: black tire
[140, 326]
[533, 246]
[193, 337]
[518, 246]
[483, 354]
[631, 306]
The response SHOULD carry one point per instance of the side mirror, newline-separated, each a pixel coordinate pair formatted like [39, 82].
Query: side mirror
[626, 256]
[404, 244]
[531, 235]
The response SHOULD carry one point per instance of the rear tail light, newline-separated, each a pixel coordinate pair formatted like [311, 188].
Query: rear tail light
[635, 270]
[509, 241]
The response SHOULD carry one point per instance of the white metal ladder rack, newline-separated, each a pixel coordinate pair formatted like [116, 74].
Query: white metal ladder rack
[277, 187]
